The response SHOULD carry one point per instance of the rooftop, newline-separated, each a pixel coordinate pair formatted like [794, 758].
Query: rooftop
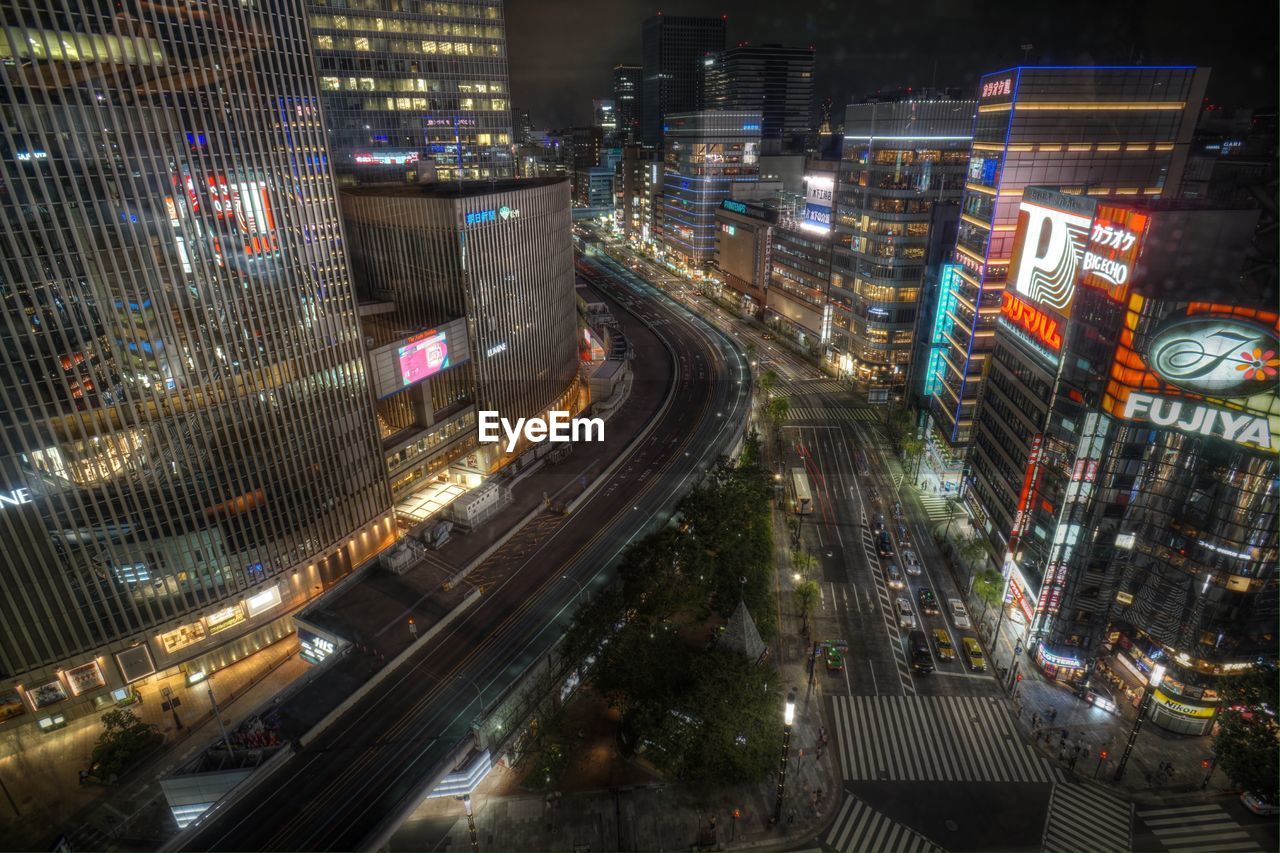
[451, 189]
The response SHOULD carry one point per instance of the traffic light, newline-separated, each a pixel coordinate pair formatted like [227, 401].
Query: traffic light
[1204, 763]
[1103, 755]
[1019, 676]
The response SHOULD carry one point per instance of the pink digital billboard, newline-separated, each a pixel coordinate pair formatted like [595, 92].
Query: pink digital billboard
[425, 355]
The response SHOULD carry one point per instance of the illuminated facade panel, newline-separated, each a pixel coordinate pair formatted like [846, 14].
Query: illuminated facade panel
[410, 84]
[1062, 128]
[186, 414]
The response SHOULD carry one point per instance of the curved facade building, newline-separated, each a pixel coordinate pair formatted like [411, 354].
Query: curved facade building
[188, 448]
[500, 254]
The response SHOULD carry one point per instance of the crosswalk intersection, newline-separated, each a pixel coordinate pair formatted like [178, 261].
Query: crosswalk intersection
[1197, 828]
[859, 827]
[1083, 816]
[832, 413]
[933, 739]
[935, 506]
[794, 387]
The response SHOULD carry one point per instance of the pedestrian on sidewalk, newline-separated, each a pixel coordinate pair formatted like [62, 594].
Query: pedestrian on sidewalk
[791, 817]
[1053, 714]
[817, 756]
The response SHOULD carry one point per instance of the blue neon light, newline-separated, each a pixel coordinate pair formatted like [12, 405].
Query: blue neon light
[480, 216]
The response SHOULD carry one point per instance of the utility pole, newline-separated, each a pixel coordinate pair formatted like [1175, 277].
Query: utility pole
[1157, 676]
[471, 823]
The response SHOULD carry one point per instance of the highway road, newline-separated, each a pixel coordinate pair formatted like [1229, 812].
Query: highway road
[339, 790]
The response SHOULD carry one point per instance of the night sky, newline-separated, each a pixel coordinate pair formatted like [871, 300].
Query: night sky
[562, 51]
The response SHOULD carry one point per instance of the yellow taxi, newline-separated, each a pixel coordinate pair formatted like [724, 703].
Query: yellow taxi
[942, 644]
[973, 655]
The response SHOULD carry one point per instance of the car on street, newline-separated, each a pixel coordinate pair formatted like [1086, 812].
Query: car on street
[918, 646]
[835, 660]
[879, 523]
[1257, 805]
[766, 336]
[885, 544]
[942, 644]
[973, 655]
[894, 577]
[911, 562]
[959, 615]
[906, 619]
[928, 601]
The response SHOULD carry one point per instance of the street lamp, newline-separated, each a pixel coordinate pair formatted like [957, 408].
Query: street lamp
[581, 589]
[1157, 676]
[471, 823]
[788, 718]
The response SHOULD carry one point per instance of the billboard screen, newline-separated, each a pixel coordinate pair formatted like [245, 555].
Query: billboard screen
[818, 199]
[425, 355]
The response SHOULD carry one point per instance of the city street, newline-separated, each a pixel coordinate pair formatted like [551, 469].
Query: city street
[948, 738]
[378, 757]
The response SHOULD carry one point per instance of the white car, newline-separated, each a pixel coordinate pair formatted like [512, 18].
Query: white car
[1257, 805]
[894, 577]
[959, 615]
[912, 562]
[906, 619]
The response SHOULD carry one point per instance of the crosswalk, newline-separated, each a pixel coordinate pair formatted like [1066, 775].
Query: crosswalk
[832, 413]
[1083, 816]
[935, 506]
[933, 739]
[858, 827]
[1198, 828]
[794, 387]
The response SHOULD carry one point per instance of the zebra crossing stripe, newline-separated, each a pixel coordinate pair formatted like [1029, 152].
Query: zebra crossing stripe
[859, 827]
[1198, 829]
[916, 738]
[1084, 817]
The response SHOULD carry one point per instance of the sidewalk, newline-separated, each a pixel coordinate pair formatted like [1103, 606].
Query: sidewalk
[1056, 707]
[42, 774]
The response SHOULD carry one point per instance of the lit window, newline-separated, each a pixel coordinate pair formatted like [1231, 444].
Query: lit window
[361, 42]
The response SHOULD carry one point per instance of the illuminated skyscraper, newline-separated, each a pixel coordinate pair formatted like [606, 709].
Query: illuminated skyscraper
[770, 79]
[1123, 460]
[706, 153]
[902, 161]
[674, 47]
[410, 82]
[626, 97]
[1096, 130]
[189, 449]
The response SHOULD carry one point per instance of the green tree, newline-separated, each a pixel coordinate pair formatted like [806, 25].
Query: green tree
[803, 562]
[988, 586]
[768, 381]
[806, 596]
[1247, 744]
[954, 503]
[124, 741]
[898, 424]
[971, 551]
[777, 411]
[912, 455]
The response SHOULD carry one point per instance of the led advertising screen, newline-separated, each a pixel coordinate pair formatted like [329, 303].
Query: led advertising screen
[818, 201]
[425, 355]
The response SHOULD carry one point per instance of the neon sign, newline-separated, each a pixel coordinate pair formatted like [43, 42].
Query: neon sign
[480, 216]
[1191, 417]
[1115, 242]
[996, 88]
[1040, 325]
[15, 497]
[1052, 231]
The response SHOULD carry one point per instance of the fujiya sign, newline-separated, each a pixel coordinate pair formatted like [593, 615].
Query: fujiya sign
[1190, 416]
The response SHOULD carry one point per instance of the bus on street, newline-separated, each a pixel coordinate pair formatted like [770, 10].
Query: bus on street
[801, 497]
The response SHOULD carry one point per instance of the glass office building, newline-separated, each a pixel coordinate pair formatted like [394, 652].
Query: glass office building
[705, 154]
[673, 48]
[1100, 130]
[1124, 454]
[900, 161]
[770, 79]
[188, 449]
[409, 85]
